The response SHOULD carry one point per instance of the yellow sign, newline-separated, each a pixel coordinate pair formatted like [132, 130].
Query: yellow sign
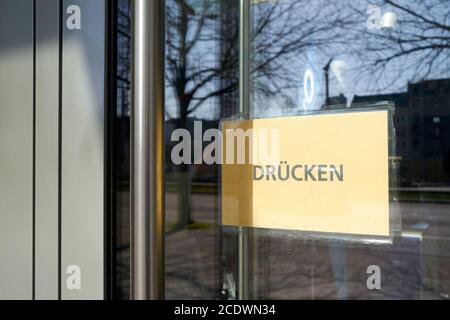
[331, 173]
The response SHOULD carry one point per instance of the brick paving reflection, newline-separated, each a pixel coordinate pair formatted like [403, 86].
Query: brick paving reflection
[416, 266]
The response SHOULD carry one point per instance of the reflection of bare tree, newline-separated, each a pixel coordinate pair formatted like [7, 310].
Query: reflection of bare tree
[416, 46]
[191, 68]
[281, 30]
[192, 72]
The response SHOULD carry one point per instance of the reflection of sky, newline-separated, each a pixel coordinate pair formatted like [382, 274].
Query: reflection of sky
[355, 49]
[334, 30]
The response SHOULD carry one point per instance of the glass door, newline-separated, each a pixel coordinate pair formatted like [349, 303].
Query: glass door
[231, 61]
[310, 56]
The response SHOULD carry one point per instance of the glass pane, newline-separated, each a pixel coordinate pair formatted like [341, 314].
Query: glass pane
[308, 56]
[354, 53]
[201, 87]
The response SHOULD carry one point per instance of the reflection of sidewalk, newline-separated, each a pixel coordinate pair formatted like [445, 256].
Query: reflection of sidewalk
[412, 268]
[191, 265]
[297, 269]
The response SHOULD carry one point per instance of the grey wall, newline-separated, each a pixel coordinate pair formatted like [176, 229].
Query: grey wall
[82, 150]
[47, 113]
[68, 135]
[16, 148]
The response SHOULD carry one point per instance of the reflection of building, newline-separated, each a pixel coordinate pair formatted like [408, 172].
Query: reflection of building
[422, 124]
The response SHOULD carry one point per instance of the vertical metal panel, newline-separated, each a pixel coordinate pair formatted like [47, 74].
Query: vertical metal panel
[46, 168]
[147, 279]
[16, 147]
[82, 202]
